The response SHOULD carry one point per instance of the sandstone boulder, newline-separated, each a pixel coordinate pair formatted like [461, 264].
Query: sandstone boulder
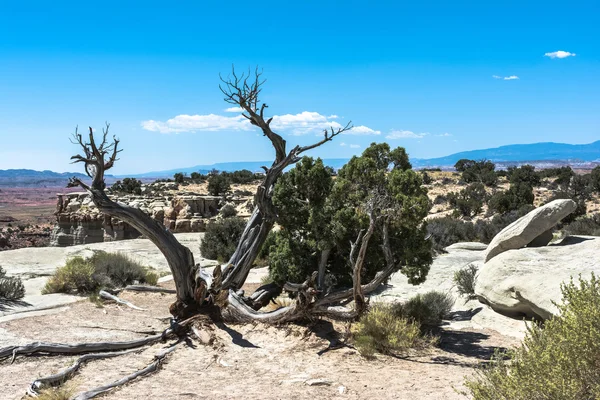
[527, 281]
[527, 228]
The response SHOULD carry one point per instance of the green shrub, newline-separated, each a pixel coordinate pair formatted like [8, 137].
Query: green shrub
[427, 309]
[447, 230]
[128, 185]
[557, 361]
[11, 288]
[228, 211]
[469, 201]
[477, 171]
[76, 276]
[218, 184]
[102, 270]
[381, 330]
[221, 238]
[518, 195]
[589, 226]
[464, 279]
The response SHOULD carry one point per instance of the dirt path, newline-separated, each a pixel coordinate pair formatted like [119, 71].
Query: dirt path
[245, 361]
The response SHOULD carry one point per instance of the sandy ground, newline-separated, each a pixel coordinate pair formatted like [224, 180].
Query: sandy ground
[245, 361]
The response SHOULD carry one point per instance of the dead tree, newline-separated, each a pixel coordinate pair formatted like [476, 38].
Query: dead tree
[199, 291]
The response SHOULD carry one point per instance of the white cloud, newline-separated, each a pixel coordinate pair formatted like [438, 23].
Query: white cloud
[506, 78]
[234, 109]
[444, 135]
[194, 123]
[559, 54]
[343, 144]
[362, 130]
[355, 146]
[303, 123]
[400, 134]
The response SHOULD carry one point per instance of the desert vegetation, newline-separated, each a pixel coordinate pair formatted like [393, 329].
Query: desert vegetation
[557, 360]
[101, 271]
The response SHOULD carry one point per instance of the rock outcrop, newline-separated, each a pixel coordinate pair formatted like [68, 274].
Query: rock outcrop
[527, 229]
[78, 221]
[527, 281]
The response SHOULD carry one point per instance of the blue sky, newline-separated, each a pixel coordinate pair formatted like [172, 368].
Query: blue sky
[428, 75]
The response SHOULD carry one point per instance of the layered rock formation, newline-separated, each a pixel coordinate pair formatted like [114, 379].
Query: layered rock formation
[78, 221]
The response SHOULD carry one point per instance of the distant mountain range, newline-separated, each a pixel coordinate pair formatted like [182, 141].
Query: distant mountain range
[542, 155]
[537, 153]
[31, 178]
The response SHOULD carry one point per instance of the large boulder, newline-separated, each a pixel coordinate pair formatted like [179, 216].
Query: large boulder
[527, 281]
[529, 227]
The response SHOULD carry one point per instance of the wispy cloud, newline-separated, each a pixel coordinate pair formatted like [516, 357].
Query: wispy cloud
[352, 146]
[446, 134]
[306, 122]
[559, 54]
[506, 78]
[195, 123]
[401, 134]
[234, 109]
[362, 130]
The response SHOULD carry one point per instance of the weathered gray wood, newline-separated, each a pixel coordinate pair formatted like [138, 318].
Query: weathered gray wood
[65, 374]
[79, 348]
[147, 288]
[150, 368]
[105, 295]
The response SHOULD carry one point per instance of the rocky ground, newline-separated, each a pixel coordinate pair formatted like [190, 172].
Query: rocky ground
[269, 362]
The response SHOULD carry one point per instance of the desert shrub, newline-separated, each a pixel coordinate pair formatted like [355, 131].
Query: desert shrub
[228, 211]
[127, 185]
[595, 179]
[447, 230]
[218, 184]
[179, 177]
[589, 226]
[518, 195]
[76, 276]
[381, 330]
[241, 176]
[116, 269]
[63, 392]
[440, 199]
[427, 179]
[427, 309]
[198, 177]
[469, 201]
[556, 361]
[221, 238]
[524, 174]
[11, 288]
[447, 181]
[102, 270]
[464, 279]
[482, 171]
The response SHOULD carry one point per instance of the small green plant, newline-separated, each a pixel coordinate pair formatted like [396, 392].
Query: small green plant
[427, 309]
[218, 184]
[381, 330]
[76, 276]
[102, 270]
[464, 279]
[11, 288]
[559, 360]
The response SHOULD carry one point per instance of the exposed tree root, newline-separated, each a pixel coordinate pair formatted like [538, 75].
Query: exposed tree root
[79, 348]
[106, 295]
[65, 374]
[152, 367]
[146, 288]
